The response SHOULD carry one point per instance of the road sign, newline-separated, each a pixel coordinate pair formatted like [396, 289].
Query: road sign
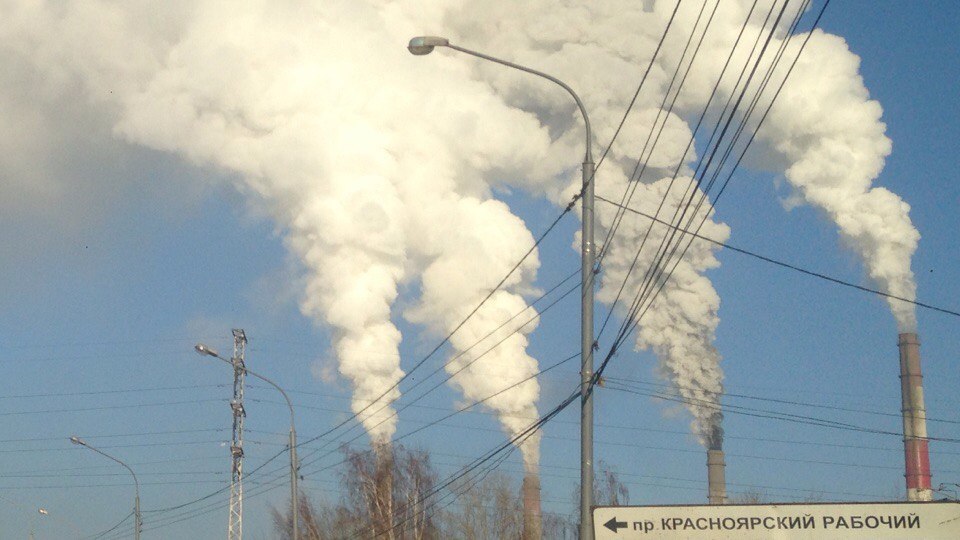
[903, 521]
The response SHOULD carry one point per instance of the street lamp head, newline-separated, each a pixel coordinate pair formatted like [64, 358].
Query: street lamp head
[77, 440]
[422, 45]
[204, 350]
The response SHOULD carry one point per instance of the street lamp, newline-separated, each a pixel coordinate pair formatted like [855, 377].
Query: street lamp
[423, 45]
[138, 521]
[203, 350]
[33, 522]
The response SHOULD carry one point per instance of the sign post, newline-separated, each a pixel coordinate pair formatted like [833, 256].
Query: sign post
[903, 521]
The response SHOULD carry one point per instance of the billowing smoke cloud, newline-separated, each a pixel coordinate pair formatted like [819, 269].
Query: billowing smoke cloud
[372, 163]
[824, 133]
[830, 134]
[378, 168]
[681, 323]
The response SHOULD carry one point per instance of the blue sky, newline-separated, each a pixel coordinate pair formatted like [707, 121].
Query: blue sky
[104, 295]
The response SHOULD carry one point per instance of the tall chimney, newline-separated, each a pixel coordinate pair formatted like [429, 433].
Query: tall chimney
[716, 477]
[380, 499]
[532, 527]
[915, 444]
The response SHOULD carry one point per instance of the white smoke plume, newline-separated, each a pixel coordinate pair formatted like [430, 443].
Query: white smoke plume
[830, 134]
[681, 323]
[322, 118]
[824, 133]
[378, 167]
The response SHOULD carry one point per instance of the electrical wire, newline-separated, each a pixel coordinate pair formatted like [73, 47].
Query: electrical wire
[786, 265]
[631, 189]
[536, 244]
[122, 391]
[774, 415]
[466, 365]
[634, 312]
[456, 357]
[250, 494]
[110, 407]
[488, 456]
[115, 527]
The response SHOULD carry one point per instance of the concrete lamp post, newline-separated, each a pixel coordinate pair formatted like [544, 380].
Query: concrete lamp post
[138, 520]
[423, 45]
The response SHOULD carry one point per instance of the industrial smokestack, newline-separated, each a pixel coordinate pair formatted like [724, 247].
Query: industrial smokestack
[532, 527]
[716, 477]
[380, 501]
[915, 443]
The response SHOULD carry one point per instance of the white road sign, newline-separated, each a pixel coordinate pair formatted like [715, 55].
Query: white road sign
[906, 521]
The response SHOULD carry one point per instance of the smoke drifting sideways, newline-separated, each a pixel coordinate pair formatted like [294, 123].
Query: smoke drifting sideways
[358, 151]
[373, 164]
[833, 140]
[824, 134]
[336, 130]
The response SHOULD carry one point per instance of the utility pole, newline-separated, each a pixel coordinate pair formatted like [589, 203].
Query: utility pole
[236, 488]
[423, 45]
[235, 525]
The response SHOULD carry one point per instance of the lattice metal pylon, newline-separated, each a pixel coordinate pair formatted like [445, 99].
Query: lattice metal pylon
[235, 526]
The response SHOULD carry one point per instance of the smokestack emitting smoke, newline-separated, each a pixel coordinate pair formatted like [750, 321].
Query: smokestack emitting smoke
[532, 520]
[915, 443]
[716, 477]
[379, 168]
[716, 469]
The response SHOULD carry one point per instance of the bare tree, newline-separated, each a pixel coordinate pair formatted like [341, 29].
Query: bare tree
[560, 526]
[608, 490]
[486, 509]
[388, 493]
[317, 521]
[383, 496]
[749, 497]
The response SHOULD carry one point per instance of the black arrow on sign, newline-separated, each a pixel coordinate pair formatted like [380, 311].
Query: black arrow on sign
[613, 524]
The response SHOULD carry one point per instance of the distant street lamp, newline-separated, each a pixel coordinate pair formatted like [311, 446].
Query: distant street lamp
[423, 45]
[207, 351]
[33, 521]
[138, 521]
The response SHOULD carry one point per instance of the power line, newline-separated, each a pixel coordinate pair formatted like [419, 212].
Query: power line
[462, 409]
[110, 407]
[635, 313]
[520, 262]
[460, 354]
[783, 401]
[655, 273]
[120, 435]
[104, 392]
[488, 456]
[111, 529]
[773, 415]
[641, 163]
[630, 190]
[215, 493]
[783, 264]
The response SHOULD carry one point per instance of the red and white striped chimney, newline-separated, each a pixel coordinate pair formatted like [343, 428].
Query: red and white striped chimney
[915, 443]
